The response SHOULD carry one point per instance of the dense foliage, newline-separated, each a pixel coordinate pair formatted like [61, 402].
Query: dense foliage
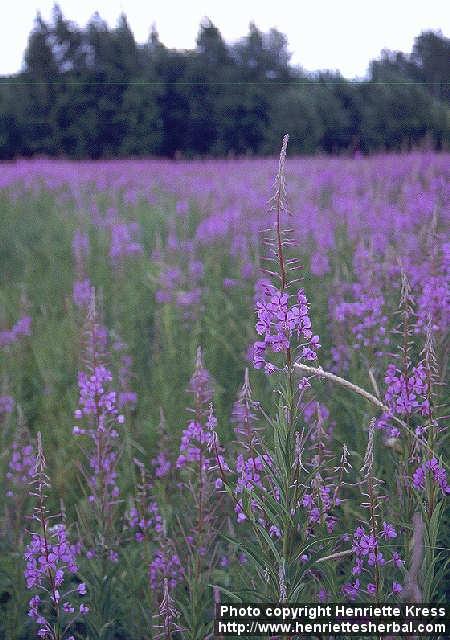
[94, 92]
[307, 338]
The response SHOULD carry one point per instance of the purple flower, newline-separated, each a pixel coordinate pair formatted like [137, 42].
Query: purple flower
[284, 326]
[82, 291]
[21, 329]
[396, 587]
[438, 474]
[21, 468]
[99, 405]
[351, 590]
[398, 562]
[6, 405]
[165, 564]
[388, 531]
[162, 464]
[123, 242]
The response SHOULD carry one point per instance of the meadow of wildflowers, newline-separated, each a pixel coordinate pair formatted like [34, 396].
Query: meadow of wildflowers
[216, 386]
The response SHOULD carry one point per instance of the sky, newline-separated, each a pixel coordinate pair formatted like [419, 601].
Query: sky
[341, 35]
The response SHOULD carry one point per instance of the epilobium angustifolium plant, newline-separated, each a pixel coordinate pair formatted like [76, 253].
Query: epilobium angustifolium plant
[51, 565]
[310, 465]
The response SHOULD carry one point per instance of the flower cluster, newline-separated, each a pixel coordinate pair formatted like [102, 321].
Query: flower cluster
[162, 464]
[433, 303]
[21, 329]
[6, 405]
[405, 395]
[366, 319]
[252, 474]
[97, 407]
[81, 292]
[437, 472]
[198, 437]
[21, 467]
[54, 555]
[321, 496]
[123, 242]
[50, 562]
[320, 504]
[142, 522]
[181, 282]
[194, 440]
[281, 323]
[166, 564]
[368, 557]
[51, 565]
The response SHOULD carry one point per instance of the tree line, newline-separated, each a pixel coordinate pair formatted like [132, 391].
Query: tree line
[94, 92]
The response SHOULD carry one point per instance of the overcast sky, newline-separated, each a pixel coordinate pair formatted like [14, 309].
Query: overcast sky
[322, 34]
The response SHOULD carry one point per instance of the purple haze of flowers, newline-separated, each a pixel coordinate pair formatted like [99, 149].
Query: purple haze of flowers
[123, 242]
[81, 293]
[21, 329]
[181, 284]
[144, 522]
[438, 474]
[21, 468]
[162, 464]
[280, 322]
[6, 405]
[365, 319]
[434, 303]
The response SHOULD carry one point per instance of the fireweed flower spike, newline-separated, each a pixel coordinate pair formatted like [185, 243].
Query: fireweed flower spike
[198, 448]
[284, 324]
[369, 560]
[270, 483]
[51, 561]
[99, 419]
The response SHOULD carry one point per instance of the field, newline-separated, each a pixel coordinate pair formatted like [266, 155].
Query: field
[187, 454]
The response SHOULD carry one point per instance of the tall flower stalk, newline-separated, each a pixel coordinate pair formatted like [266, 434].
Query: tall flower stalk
[271, 477]
[98, 423]
[198, 532]
[99, 419]
[51, 561]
